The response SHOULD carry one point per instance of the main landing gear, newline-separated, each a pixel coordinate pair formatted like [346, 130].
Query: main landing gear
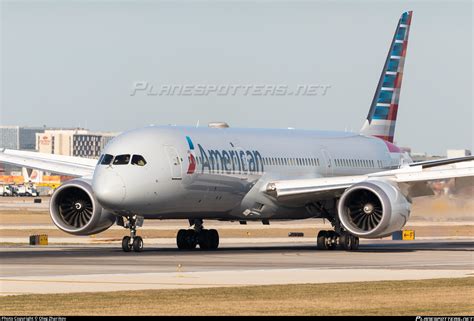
[132, 242]
[190, 238]
[329, 240]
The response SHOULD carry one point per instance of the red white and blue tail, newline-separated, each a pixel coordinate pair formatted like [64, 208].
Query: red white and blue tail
[382, 115]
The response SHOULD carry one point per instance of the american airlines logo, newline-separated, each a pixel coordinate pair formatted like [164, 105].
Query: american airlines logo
[232, 161]
[191, 158]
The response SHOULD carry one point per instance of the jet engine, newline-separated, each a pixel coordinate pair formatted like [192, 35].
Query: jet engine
[75, 210]
[373, 209]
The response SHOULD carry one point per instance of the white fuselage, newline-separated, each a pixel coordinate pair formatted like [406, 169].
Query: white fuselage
[210, 172]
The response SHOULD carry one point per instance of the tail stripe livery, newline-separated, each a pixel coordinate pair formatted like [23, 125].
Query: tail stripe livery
[382, 115]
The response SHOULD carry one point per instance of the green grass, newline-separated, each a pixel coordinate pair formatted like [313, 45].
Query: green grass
[424, 297]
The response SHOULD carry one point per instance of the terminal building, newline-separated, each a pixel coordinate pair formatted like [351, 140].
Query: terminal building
[60, 141]
[18, 137]
[73, 142]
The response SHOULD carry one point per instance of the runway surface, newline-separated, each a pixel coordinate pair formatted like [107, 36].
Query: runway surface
[85, 268]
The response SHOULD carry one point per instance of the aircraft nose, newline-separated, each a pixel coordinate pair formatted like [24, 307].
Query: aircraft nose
[109, 188]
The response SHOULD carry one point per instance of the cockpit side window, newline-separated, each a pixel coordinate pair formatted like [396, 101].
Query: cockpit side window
[121, 159]
[106, 159]
[138, 160]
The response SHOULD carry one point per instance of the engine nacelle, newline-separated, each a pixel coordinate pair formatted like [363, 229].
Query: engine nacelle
[373, 209]
[75, 210]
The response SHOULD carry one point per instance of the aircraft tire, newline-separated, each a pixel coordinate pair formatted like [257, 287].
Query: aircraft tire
[204, 240]
[214, 239]
[354, 243]
[126, 244]
[138, 244]
[181, 240]
[321, 240]
[191, 240]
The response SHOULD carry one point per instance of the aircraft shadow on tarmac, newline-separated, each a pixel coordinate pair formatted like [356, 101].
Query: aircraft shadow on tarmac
[31, 252]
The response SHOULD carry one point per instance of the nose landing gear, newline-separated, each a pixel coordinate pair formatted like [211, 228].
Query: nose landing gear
[132, 242]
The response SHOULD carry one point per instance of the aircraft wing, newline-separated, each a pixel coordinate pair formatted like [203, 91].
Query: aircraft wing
[444, 161]
[411, 180]
[66, 165]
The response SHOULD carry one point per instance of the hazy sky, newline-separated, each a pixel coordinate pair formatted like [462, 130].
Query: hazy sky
[74, 63]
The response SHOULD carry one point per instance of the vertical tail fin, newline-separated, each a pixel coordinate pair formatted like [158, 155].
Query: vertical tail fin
[382, 115]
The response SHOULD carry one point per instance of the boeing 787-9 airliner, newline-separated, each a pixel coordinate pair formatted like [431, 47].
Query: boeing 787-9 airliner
[361, 182]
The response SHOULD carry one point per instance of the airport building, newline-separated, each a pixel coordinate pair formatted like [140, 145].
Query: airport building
[18, 137]
[73, 142]
[86, 145]
[68, 141]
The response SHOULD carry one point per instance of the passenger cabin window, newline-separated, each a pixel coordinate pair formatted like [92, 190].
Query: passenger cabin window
[106, 159]
[121, 159]
[138, 160]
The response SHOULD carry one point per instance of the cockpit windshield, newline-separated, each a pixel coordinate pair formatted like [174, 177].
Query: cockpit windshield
[106, 159]
[121, 159]
[138, 160]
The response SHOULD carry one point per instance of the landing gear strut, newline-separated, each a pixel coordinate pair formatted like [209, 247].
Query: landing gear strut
[133, 241]
[328, 240]
[190, 238]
